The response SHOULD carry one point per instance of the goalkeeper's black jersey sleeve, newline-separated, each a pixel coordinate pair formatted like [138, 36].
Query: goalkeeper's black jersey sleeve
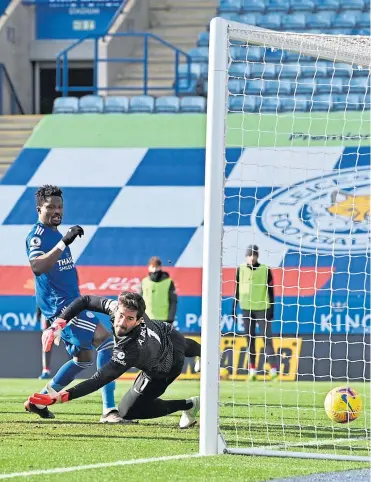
[148, 346]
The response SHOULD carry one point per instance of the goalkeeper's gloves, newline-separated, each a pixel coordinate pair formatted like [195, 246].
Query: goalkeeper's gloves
[49, 398]
[72, 234]
[53, 334]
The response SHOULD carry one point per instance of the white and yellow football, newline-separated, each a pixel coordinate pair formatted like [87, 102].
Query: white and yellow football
[343, 405]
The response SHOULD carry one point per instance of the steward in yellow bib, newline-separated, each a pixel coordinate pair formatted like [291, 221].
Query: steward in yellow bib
[254, 292]
[158, 291]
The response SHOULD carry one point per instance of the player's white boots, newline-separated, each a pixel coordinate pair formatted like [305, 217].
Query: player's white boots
[188, 418]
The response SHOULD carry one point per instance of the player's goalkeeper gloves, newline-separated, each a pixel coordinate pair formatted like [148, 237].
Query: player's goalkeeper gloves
[53, 334]
[72, 234]
[49, 398]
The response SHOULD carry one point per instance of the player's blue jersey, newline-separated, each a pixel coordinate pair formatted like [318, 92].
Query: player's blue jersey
[59, 287]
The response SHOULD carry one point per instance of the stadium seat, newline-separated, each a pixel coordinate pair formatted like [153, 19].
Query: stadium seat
[255, 87]
[288, 71]
[203, 39]
[366, 6]
[360, 71]
[236, 86]
[142, 103]
[187, 87]
[306, 86]
[302, 6]
[363, 20]
[251, 18]
[238, 53]
[269, 104]
[116, 104]
[329, 86]
[229, 6]
[240, 70]
[255, 54]
[91, 104]
[200, 54]
[346, 102]
[346, 19]
[271, 20]
[263, 71]
[275, 55]
[320, 20]
[167, 104]
[361, 31]
[277, 6]
[66, 105]
[295, 21]
[322, 102]
[351, 4]
[193, 104]
[196, 70]
[242, 103]
[252, 6]
[331, 5]
[291, 57]
[232, 17]
[314, 70]
[339, 69]
[359, 85]
[294, 104]
[280, 88]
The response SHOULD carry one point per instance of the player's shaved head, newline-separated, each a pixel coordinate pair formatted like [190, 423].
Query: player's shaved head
[133, 302]
[47, 191]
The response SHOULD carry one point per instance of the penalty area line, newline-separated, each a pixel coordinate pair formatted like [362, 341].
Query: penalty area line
[118, 463]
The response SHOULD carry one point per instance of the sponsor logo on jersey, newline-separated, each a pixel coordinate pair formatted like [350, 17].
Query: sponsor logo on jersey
[328, 214]
[65, 263]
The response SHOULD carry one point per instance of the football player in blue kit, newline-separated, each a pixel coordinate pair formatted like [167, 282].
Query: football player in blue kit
[56, 285]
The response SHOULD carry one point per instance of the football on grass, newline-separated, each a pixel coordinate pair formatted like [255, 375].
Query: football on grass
[343, 405]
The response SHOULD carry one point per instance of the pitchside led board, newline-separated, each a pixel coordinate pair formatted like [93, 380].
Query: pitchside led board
[136, 185]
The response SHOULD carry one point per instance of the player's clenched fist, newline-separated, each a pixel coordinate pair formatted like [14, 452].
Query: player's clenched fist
[52, 334]
[49, 399]
[72, 234]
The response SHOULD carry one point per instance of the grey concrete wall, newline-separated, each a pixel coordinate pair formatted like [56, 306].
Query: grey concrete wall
[15, 40]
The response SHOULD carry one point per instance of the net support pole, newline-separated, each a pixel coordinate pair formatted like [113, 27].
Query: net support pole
[213, 231]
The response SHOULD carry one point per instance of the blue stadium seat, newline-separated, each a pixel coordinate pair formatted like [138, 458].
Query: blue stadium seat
[339, 69]
[360, 71]
[361, 31]
[277, 6]
[280, 88]
[91, 104]
[240, 70]
[296, 21]
[359, 85]
[314, 70]
[255, 54]
[116, 104]
[203, 39]
[363, 20]
[302, 6]
[232, 17]
[269, 104]
[344, 19]
[332, 5]
[288, 71]
[196, 70]
[251, 18]
[229, 6]
[263, 71]
[200, 54]
[193, 104]
[238, 53]
[66, 105]
[351, 4]
[320, 20]
[306, 86]
[294, 104]
[346, 102]
[291, 57]
[236, 86]
[329, 86]
[186, 87]
[275, 55]
[252, 6]
[364, 102]
[366, 6]
[322, 102]
[255, 87]
[271, 20]
[167, 104]
[142, 103]
[242, 103]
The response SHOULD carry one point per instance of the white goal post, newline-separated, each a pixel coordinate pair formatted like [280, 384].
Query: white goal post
[353, 50]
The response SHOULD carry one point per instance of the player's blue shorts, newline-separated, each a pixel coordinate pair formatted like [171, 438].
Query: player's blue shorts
[79, 333]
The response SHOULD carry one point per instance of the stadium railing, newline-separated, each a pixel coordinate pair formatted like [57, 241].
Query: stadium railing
[9, 100]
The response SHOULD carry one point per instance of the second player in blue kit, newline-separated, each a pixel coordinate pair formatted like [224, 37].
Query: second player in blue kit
[56, 285]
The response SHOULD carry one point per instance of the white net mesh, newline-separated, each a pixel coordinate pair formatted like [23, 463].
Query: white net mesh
[297, 185]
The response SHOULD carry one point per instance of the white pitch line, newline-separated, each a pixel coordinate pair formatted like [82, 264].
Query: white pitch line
[314, 443]
[61, 470]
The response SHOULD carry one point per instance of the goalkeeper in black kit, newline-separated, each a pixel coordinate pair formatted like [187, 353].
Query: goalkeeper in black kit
[154, 347]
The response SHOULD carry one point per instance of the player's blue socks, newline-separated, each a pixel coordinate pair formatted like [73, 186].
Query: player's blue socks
[66, 374]
[104, 354]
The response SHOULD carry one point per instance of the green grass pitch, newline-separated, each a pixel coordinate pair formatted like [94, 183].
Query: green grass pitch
[260, 414]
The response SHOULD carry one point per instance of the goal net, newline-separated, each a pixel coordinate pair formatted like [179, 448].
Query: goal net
[288, 171]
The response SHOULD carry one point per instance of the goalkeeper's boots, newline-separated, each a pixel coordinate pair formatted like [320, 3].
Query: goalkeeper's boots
[114, 417]
[188, 418]
[41, 412]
